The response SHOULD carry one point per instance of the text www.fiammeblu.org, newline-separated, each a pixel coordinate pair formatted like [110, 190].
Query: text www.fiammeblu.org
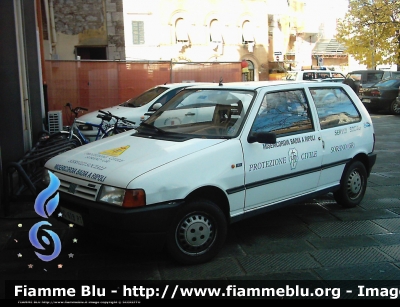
[232, 291]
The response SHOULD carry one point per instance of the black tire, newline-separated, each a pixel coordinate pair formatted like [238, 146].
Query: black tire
[197, 233]
[395, 108]
[353, 185]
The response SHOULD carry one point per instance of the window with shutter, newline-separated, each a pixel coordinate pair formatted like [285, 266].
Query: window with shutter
[138, 32]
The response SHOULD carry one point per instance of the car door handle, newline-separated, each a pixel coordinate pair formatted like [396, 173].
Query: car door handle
[190, 114]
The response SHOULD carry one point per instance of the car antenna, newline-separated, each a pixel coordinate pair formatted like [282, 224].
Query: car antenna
[220, 82]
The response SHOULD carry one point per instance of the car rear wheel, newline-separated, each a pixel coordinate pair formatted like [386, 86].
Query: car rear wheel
[395, 108]
[353, 185]
[198, 232]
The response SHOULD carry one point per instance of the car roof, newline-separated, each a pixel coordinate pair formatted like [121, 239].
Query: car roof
[252, 85]
[319, 70]
[366, 70]
[181, 84]
[314, 70]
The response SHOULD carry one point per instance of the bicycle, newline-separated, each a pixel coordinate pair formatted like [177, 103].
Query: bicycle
[117, 127]
[104, 128]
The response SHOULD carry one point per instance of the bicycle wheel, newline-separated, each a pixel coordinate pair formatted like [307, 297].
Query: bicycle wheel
[112, 131]
[63, 136]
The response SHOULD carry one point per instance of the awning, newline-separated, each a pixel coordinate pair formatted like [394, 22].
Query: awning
[328, 47]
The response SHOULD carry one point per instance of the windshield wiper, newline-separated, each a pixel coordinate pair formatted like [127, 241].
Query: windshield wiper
[152, 127]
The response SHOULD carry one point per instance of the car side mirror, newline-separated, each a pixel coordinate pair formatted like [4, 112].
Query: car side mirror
[262, 137]
[156, 106]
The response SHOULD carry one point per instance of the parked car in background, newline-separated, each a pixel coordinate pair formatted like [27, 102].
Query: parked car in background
[368, 77]
[313, 74]
[398, 101]
[389, 74]
[135, 108]
[381, 96]
[214, 155]
[330, 80]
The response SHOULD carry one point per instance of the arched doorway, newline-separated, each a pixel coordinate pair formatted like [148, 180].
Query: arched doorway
[247, 70]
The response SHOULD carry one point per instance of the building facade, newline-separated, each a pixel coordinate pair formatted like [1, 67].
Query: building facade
[272, 36]
[81, 29]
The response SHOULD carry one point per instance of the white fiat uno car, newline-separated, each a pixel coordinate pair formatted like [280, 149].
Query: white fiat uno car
[214, 155]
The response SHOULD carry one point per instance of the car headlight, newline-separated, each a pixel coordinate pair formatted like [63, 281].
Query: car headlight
[122, 197]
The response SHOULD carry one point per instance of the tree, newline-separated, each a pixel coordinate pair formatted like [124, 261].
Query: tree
[370, 31]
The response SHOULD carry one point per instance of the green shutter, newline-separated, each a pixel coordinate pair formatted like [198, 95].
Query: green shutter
[138, 32]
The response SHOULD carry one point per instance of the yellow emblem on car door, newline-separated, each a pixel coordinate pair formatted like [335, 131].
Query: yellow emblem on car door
[115, 152]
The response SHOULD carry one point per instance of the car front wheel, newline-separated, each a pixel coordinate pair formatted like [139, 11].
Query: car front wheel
[198, 232]
[352, 185]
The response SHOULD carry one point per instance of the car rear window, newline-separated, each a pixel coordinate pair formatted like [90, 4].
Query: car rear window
[334, 107]
[374, 77]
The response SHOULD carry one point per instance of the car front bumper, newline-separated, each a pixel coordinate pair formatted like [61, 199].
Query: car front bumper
[146, 226]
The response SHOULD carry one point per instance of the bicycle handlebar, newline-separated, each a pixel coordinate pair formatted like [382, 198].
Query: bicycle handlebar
[76, 110]
[105, 117]
[117, 117]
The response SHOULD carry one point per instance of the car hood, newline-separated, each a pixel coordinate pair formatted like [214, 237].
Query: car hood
[123, 157]
[132, 114]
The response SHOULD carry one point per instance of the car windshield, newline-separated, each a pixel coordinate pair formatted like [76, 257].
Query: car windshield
[145, 97]
[210, 113]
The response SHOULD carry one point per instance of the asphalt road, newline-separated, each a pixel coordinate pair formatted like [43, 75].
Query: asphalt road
[313, 241]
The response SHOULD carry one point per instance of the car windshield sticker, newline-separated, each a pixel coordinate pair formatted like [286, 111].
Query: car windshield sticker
[115, 152]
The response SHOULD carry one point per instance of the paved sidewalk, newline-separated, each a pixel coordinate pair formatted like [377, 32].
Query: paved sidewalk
[317, 240]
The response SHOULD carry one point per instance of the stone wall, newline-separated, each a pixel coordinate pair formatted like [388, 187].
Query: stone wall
[95, 22]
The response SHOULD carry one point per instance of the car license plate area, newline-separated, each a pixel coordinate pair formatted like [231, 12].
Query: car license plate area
[366, 100]
[72, 216]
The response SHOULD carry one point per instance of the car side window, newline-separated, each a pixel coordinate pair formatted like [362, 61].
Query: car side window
[283, 113]
[334, 107]
[322, 75]
[308, 76]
